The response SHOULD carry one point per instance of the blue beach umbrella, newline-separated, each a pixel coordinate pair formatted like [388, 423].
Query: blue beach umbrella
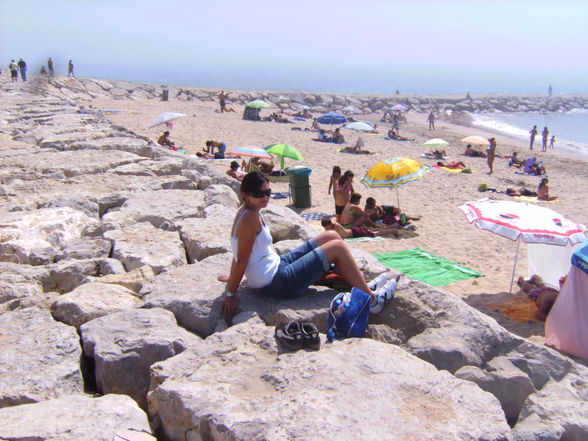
[332, 118]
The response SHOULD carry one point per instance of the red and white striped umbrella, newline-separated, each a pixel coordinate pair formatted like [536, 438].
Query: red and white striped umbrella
[522, 220]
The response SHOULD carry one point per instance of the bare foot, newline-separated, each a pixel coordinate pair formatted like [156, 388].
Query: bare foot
[223, 278]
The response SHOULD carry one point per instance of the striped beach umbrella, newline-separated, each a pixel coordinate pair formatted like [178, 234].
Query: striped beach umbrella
[392, 173]
[250, 150]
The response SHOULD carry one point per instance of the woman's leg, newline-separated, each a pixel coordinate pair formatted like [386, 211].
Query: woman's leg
[338, 253]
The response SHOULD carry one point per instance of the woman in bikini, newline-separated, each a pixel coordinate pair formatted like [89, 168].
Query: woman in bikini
[343, 192]
[333, 182]
[288, 275]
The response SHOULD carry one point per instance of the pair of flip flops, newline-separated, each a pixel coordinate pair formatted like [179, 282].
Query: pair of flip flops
[298, 334]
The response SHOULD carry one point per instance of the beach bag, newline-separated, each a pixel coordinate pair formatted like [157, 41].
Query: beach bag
[348, 315]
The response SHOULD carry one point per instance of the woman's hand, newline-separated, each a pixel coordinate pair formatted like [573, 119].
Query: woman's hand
[230, 305]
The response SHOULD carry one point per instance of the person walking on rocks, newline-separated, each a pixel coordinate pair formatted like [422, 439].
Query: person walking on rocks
[533, 133]
[288, 275]
[50, 66]
[22, 66]
[431, 120]
[13, 68]
[70, 69]
[544, 137]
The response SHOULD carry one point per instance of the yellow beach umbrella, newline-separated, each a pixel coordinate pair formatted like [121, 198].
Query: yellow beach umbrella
[392, 173]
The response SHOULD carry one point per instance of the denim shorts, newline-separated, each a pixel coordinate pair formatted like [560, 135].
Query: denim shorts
[298, 269]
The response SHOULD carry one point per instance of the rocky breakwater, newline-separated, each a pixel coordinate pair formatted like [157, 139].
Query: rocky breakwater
[86, 89]
[110, 324]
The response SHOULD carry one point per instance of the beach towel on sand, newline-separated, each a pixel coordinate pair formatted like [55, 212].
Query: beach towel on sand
[314, 216]
[531, 199]
[421, 265]
[521, 309]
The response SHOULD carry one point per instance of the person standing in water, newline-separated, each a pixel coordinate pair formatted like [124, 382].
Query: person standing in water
[533, 133]
[544, 136]
[552, 142]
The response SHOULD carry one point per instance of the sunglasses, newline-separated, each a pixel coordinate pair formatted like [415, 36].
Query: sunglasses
[261, 193]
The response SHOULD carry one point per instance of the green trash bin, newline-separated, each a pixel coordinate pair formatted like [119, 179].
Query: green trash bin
[301, 196]
[165, 95]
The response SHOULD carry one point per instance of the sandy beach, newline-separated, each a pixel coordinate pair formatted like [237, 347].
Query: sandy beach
[443, 229]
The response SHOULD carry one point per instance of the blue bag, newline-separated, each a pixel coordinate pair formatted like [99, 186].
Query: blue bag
[348, 315]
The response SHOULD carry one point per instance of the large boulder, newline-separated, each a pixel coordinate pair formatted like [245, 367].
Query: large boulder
[19, 285]
[204, 237]
[125, 344]
[76, 418]
[34, 237]
[285, 224]
[142, 244]
[239, 385]
[93, 300]
[39, 358]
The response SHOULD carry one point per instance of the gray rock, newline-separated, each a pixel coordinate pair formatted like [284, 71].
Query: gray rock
[84, 249]
[67, 275]
[76, 418]
[283, 395]
[285, 224]
[204, 237]
[221, 194]
[79, 203]
[157, 207]
[142, 244]
[18, 283]
[93, 300]
[35, 237]
[133, 280]
[39, 358]
[125, 344]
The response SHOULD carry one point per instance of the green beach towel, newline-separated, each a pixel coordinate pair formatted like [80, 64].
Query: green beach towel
[421, 265]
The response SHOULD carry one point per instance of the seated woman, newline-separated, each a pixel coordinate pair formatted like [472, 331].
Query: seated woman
[288, 275]
[337, 137]
[257, 165]
[543, 191]
[515, 161]
[388, 213]
[522, 191]
[469, 151]
[437, 154]
[164, 140]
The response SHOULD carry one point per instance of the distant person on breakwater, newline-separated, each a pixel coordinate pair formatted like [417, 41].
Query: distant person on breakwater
[50, 66]
[533, 133]
[544, 136]
[552, 142]
[13, 68]
[70, 69]
[22, 65]
[549, 90]
[431, 120]
[222, 99]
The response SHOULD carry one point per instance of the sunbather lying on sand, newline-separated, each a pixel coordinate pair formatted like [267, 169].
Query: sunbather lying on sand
[521, 191]
[357, 148]
[543, 296]
[453, 164]
[393, 134]
[388, 213]
[437, 154]
[327, 224]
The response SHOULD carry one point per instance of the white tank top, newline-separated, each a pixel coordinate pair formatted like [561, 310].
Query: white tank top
[263, 261]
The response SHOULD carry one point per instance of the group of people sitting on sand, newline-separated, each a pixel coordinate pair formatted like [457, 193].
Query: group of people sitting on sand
[470, 151]
[336, 138]
[542, 192]
[395, 135]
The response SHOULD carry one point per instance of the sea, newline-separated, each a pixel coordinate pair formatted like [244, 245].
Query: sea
[570, 128]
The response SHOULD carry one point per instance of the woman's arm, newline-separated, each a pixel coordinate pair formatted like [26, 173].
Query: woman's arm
[331, 186]
[246, 232]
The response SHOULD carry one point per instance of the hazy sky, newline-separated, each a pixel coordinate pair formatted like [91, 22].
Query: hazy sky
[487, 36]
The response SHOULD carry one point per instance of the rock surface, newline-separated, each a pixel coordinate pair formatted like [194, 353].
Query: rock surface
[124, 344]
[39, 358]
[303, 395]
[75, 418]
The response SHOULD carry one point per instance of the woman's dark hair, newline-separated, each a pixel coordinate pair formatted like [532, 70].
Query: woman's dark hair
[234, 165]
[370, 201]
[348, 174]
[252, 182]
[336, 170]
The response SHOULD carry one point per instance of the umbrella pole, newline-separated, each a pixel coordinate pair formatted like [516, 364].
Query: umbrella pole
[282, 162]
[397, 198]
[514, 266]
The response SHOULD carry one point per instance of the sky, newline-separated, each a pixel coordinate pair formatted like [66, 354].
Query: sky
[115, 38]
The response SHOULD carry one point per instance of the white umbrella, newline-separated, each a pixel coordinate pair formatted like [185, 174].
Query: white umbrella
[166, 117]
[435, 142]
[477, 140]
[359, 126]
[522, 220]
